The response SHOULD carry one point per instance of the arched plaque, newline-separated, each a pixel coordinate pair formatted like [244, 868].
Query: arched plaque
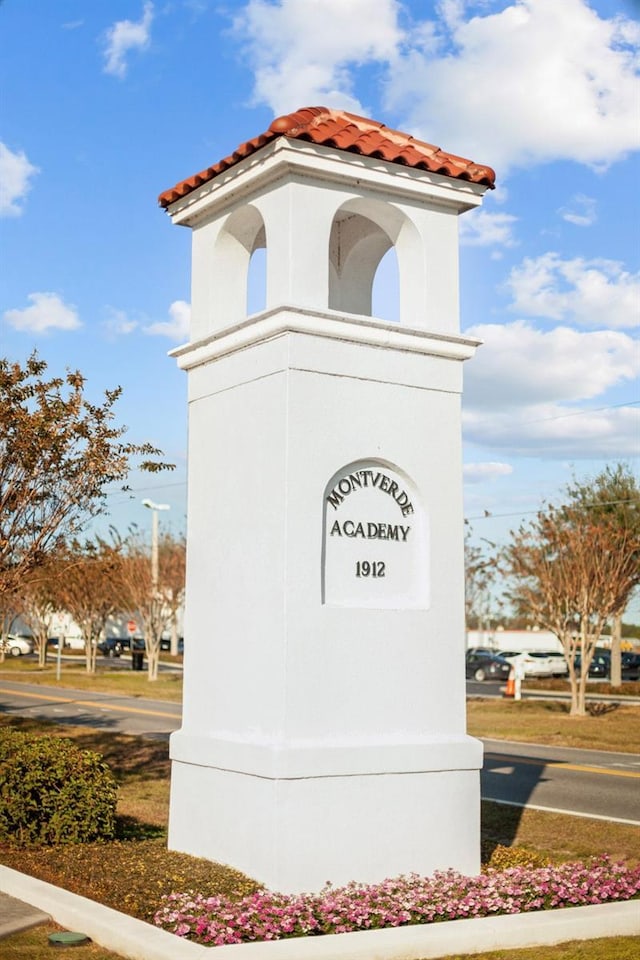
[375, 539]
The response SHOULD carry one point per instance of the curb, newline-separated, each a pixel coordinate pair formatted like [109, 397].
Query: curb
[136, 940]
[621, 699]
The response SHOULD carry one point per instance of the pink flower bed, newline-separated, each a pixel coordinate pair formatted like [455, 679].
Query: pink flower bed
[394, 903]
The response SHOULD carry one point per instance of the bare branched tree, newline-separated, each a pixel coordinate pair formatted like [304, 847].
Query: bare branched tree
[172, 554]
[479, 575]
[9, 613]
[155, 601]
[615, 494]
[90, 591]
[39, 600]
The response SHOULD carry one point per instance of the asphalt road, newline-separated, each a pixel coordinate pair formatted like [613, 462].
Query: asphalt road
[590, 783]
[488, 688]
[583, 782]
[149, 718]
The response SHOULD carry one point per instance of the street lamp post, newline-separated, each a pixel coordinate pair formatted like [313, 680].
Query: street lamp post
[154, 507]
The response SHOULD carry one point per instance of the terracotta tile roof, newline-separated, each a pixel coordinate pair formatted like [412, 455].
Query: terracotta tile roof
[344, 131]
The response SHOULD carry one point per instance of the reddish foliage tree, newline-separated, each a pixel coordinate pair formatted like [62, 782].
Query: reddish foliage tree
[571, 570]
[58, 454]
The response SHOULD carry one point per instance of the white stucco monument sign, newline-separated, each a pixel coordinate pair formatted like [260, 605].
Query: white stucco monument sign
[323, 733]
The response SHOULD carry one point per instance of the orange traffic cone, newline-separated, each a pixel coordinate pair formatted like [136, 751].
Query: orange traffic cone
[510, 689]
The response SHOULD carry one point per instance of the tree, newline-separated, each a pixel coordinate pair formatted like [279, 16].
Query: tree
[90, 591]
[615, 494]
[479, 574]
[58, 454]
[172, 557]
[38, 598]
[9, 613]
[155, 597]
[571, 569]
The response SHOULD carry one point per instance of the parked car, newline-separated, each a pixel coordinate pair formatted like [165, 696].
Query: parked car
[533, 663]
[17, 646]
[165, 645]
[630, 664]
[111, 646]
[126, 644]
[486, 666]
[559, 663]
[598, 668]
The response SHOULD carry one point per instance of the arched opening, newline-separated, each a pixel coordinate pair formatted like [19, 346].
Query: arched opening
[257, 281]
[239, 282]
[356, 247]
[385, 292]
[368, 244]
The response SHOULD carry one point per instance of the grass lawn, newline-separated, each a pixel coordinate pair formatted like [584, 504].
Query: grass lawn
[119, 876]
[548, 721]
[616, 948]
[131, 872]
[107, 679]
[34, 945]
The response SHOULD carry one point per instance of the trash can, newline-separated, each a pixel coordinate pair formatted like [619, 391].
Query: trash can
[137, 660]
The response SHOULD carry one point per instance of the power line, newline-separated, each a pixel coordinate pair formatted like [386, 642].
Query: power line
[487, 515]
[580, 413]
[127, 495]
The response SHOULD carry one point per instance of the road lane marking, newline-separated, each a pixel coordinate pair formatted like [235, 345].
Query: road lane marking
[569, 813]
[90, 703]
[605, 771]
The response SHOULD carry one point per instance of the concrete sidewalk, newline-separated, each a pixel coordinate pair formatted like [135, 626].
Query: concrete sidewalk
[16, 915]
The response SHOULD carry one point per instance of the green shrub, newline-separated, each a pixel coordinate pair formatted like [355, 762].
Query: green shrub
[52, 792]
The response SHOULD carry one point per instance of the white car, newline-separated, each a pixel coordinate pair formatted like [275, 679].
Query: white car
[558, 662]
[533, 663]
[16, 646]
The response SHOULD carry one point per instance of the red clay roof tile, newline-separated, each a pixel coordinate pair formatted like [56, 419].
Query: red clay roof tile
[344, 131]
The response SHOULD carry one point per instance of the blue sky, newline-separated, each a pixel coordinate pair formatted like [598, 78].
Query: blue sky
[107, 104]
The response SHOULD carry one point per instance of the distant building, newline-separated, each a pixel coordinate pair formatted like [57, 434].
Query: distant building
[499, 639]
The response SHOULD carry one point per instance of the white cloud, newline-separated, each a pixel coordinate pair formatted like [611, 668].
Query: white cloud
[582, 212]
[15, 174]
[477, 472]
[538, 81]
[518, 365]
[123, 37]
[594, 293]
[118, 323]
[47, 312]
[556, 432]
[480, 228]
[522, 386]
[177, 328]
[301, 50]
